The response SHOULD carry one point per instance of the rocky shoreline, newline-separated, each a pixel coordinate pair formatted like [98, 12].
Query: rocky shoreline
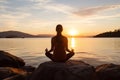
[14, 68]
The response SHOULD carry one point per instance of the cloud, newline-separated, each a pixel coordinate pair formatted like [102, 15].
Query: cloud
[104, 17]
[95, 10]
[34, 14]
[60, 8]
[2, 7]
[10, 21]
[14, 16]
[41, 1]
[51, 6]
[3, 1]
[2, 4]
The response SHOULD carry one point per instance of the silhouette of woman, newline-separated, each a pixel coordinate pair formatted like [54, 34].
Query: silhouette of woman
[59, 46]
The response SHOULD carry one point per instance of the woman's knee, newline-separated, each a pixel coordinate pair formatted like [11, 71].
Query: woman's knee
[47, 54]
[72, 53]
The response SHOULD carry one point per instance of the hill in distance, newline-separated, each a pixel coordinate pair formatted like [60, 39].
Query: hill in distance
[18, 34]
[115, 33]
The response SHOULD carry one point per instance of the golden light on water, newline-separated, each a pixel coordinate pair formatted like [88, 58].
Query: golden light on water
[72, 43]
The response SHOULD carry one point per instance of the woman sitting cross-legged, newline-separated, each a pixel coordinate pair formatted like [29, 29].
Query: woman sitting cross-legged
[59, 47]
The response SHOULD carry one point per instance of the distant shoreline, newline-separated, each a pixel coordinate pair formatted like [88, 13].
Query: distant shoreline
[18, 34]
[115, 34]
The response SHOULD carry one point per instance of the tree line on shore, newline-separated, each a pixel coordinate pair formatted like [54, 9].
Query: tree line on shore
[115, 33]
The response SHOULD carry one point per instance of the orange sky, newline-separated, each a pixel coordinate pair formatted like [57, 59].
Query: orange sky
[86, 17]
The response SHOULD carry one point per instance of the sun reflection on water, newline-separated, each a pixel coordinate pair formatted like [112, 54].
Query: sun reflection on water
[72, 43]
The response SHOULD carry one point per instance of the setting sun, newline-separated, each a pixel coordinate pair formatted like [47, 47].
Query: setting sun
[73, 32]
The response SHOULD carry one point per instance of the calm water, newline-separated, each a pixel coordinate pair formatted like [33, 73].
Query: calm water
[94, 51]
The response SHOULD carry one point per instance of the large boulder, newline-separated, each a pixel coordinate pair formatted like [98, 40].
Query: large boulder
[70, 70]
[9, 60]
[16, 77]
[28, 68]
[6, 72]
[10, 73]
[108, 72]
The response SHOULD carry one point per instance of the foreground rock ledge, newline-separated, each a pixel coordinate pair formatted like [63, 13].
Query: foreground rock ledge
[70, 70]
[9, 60]
[108, 72]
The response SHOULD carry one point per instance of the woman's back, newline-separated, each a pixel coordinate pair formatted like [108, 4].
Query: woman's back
[59, 51]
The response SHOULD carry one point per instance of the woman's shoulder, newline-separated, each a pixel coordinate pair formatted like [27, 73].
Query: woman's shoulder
[64, 37]
[54, 37]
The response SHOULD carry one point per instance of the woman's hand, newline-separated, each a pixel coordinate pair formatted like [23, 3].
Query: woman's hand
[72, 50]
[46, 50]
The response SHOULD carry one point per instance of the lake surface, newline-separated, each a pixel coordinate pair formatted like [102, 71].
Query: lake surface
[94, 51]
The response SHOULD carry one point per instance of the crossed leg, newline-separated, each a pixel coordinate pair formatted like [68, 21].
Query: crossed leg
[49, 55]
[68, 56]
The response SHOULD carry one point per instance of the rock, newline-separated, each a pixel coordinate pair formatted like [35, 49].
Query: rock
[108, 72]
[19, 77]
[70, 70]
[6, 72]
[28, 68]
[9, 60]
[16, 77]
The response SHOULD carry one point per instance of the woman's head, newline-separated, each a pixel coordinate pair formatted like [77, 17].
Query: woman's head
[59, 28]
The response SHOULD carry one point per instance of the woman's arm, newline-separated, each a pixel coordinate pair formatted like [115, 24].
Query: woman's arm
[52, 45]
[66, 40]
